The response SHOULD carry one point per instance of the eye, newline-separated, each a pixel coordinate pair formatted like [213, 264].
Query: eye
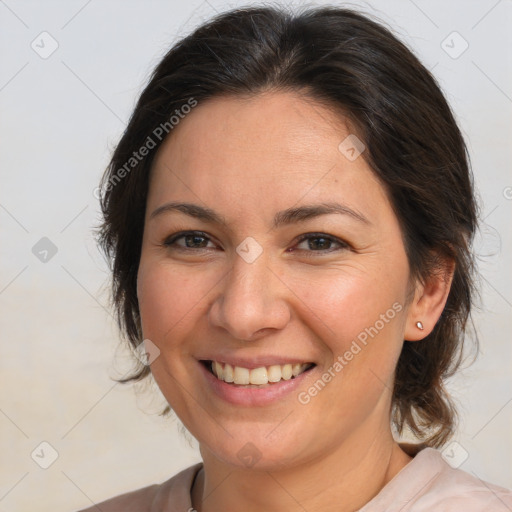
[198, 240]
[321, 243]
[191, 240]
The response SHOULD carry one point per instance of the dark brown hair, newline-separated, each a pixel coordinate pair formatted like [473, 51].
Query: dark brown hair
[413, 144]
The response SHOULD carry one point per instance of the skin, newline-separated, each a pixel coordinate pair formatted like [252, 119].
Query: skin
[247, 159]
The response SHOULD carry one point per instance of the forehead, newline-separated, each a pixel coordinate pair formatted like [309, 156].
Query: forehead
[268, 151]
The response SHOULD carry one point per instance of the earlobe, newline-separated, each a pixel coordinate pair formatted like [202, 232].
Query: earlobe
[429, 301]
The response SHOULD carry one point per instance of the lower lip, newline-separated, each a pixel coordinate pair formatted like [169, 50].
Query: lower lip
[253, 396]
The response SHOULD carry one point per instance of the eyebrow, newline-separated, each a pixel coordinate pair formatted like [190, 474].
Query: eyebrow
[282, 218]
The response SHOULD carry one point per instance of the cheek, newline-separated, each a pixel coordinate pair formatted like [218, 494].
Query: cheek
[346, 302]
[166, 300]
[358, 314]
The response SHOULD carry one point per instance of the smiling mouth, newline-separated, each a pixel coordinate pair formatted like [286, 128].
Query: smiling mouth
[262, 376]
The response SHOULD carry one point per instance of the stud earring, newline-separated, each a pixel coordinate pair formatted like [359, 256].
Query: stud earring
[419, 325]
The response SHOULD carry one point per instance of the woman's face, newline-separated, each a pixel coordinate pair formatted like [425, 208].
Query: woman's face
[288, 252]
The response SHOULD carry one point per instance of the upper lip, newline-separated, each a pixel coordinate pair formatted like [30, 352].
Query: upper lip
[256, 361]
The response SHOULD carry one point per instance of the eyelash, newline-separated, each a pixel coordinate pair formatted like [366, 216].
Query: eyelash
[170, 241]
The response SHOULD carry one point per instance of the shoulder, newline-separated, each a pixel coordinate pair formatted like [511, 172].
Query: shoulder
[447, 488]
[139, 500]
[454, 488]
[429, 483]
[153, 498]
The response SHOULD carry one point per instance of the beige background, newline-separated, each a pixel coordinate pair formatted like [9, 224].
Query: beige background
[60, 116]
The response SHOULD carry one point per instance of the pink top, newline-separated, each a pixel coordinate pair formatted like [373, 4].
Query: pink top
[426, 484]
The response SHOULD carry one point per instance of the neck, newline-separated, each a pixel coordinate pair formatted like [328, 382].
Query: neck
[344, 480]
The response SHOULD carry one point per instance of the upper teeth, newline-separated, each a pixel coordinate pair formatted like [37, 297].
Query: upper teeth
[262, 375]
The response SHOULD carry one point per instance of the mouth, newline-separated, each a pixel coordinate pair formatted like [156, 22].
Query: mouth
[263, 376]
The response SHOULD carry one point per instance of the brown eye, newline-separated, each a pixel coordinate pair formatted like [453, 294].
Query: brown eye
[192, 240]
[322, 243]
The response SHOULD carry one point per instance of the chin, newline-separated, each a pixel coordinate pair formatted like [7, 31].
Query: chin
[256, 449]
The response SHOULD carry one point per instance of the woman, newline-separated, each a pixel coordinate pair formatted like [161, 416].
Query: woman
[289, 215]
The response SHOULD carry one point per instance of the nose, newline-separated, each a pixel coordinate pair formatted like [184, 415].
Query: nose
[251, 303]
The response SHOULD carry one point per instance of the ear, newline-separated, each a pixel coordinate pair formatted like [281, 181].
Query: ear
[430, 297]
